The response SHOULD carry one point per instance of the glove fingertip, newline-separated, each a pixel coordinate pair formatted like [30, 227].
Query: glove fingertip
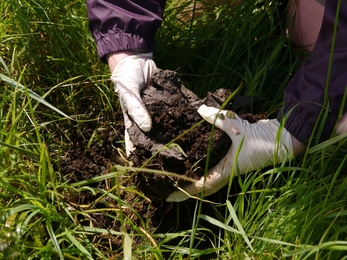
[141, 117]
[177, 196]
[146, 126]
[207, 112]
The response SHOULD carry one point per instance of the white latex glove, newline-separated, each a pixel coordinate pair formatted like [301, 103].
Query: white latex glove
[132, 75]
[259, 148]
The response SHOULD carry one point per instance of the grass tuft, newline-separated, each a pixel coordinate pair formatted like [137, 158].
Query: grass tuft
[49, 73]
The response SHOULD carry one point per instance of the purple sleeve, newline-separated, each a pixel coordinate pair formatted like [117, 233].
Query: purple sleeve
[305, 93]
[124, 25]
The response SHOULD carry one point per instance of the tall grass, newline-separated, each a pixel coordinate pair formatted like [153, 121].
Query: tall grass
[296, 210]
[228, 45]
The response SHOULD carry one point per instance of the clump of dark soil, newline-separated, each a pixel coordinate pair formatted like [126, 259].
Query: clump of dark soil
[173, 109]
[96, 147]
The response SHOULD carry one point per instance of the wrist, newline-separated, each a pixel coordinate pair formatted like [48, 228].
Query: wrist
[114, 58]
[298, 147]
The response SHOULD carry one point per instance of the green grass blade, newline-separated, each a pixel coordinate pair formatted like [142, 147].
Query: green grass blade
[17, 209]
[78, 244]
[238, 224]
[32, 94]
[327, 143]
[19, 149]
[220, 224]
[5, 66]
[54, 239]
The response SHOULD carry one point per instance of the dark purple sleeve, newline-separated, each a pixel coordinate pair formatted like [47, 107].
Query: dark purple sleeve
[124, 25]
[304, 95]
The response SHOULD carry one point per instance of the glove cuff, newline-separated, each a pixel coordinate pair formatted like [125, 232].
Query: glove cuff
[135, 56]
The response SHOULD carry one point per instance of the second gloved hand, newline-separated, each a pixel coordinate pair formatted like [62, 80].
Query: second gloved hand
[132, 75]
[261, 144]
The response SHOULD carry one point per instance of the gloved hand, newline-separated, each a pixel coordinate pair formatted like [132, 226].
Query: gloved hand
[261, 144]
[131, 75]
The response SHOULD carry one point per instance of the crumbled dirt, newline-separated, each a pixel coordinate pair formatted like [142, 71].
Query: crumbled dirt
[173, 110]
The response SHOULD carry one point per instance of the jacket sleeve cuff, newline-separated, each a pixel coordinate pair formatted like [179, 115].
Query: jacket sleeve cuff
[117, 40]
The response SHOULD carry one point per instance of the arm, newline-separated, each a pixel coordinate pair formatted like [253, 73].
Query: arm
[310, 90]
[124, 32]
[124, 25]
